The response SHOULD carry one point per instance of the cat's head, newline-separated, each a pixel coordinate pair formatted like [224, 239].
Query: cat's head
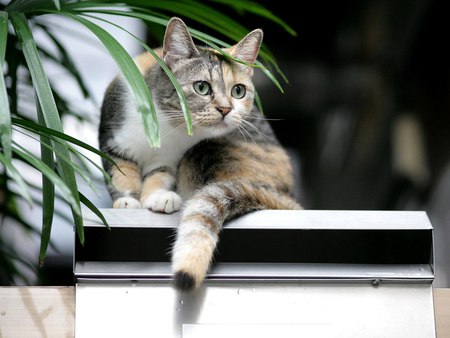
[219, 91]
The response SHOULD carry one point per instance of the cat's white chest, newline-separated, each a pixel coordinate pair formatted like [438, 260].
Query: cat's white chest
[132, 141]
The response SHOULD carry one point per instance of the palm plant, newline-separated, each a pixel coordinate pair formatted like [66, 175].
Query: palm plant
[60, 160]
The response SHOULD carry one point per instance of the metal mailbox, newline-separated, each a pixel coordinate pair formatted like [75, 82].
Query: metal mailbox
[276, 274]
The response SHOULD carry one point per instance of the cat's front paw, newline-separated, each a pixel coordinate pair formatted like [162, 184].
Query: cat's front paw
[163, 201]
[127, 203]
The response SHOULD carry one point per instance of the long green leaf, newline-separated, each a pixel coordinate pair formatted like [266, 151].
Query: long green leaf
[64, 158]
[271, 77]
[82, 5]
[258, 103]
[41, 130]
[196, 10]
[57, 4]
[3, 35]
[5, 114]
[82, 158]
[139, 14]
[50, 112]
[94, 209]
[48, 191]
[258, 9]
[37, 163]
[201, 13]
[15, 175]
[35, 128]
[139, 89]
[29, 5]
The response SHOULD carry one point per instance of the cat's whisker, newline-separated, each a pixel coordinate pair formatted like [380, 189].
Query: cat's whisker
[171, 114]
[248, 133]
[178, 129]
[263, 118]
[171, 120]
[174, 121]
[254, 128]
[171, 111]
[178, 116]
[243, 135]
[174, 130]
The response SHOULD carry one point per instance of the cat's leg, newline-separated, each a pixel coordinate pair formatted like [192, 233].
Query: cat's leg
[125, 184]
[157, 192]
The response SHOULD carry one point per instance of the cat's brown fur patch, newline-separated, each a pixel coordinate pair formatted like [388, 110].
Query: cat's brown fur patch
[126, 177]
[232, 74]
[260, 163]
[208, 221]
[269, 200]
[159, 180]
[146, 60]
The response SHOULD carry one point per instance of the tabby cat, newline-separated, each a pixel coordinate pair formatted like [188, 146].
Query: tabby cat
[231, 165]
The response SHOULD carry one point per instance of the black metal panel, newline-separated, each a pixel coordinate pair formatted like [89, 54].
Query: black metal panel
[367, 246]
[125, 244]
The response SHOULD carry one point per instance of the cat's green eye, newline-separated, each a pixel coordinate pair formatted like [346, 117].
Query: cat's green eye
[202, 87]
[238, 91]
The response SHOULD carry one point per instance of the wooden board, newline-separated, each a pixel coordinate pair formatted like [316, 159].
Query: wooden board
[37, 312]
[442, 312]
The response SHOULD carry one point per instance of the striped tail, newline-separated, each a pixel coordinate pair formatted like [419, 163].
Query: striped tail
[202, 221]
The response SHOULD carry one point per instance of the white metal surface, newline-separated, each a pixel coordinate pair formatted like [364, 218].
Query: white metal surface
[255, 310]
[338, 274]
[282, 219]
[120, 271]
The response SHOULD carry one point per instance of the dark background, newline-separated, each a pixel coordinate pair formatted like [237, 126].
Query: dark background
[369, 87]
[357, 70]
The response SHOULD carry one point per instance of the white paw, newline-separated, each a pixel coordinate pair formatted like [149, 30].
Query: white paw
[127, 203]
[163, 201]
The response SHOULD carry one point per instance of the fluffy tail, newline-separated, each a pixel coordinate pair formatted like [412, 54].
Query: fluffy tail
[202, 221]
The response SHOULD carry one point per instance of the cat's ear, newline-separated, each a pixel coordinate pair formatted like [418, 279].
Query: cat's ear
[248, 48]
[178, 42]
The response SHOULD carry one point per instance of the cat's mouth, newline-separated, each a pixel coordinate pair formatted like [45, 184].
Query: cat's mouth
[217, 127]
[217, 121]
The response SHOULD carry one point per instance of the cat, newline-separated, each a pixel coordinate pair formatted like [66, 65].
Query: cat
[231, 165]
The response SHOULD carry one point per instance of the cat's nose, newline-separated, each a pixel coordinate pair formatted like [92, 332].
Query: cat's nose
[224, 110]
